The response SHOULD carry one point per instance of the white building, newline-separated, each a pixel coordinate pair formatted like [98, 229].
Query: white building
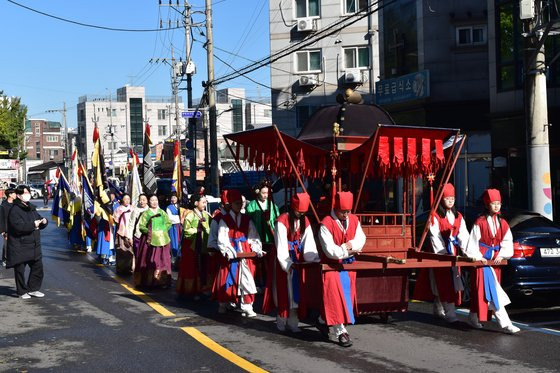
[126, 114]
[235, 112]
[312, 77]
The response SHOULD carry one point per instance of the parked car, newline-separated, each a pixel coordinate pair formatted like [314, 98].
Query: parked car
[39, 188]
[35, 193]
[533, 273]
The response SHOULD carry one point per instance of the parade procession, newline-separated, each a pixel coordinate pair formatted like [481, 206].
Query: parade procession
[319, 259]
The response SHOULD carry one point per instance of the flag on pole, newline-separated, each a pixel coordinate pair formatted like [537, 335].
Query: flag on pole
[134, 187]
[89, 226]
[74, 169]
[148, 174]
[177, 179]
[103, 207]
[62, 207]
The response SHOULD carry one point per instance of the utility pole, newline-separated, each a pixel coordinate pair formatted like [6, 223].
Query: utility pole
[214, 176]
[536, 108]
[190, 70]
[175, 70]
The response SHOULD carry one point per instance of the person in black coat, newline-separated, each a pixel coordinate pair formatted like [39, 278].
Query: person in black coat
[24, 244]
[4, 211]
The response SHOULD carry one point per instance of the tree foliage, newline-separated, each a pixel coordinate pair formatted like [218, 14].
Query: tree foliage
[12, 126]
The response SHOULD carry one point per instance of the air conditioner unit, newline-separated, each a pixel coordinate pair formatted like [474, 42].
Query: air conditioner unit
[306, 24]
[353, 76]
[307, 80]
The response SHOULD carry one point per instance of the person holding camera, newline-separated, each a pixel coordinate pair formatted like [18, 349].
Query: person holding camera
[24, 244]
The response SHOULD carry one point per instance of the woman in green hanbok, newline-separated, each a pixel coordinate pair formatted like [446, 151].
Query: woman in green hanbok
[153, 262]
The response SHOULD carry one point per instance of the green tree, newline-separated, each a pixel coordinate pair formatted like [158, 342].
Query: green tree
[12, 127]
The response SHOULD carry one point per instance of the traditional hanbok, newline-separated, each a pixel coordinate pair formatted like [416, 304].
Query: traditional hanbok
[153, 260]
[289, 289]
[235, 279]
[339, 287]
[490, 238]
[448, 236]
[124, 252]
[175, 232]
[264, 214]
[133, 229]
[193, 275]
[105, 245]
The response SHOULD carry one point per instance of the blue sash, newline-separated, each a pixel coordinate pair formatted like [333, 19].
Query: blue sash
[346, 289]
[293, 247]
[490, 291]
[449, 248]
[230, 279]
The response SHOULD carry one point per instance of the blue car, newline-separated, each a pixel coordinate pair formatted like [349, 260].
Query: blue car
[533, 273]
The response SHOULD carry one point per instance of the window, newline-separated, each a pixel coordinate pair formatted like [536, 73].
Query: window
[81, 115]
[303, 113]
[161, 114]
[356, 57]
[308, 61]
[162, 130]
[136, 121]
[471, 35]
[350, 5]
[52, 138]
[307, 8]
[237, 115]
[109, 111]
[37, 128]
[38, 150]
[267, 113]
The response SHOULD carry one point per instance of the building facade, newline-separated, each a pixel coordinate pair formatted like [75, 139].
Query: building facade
[121, 121]
[44, 140]
[508, 117]
[312, 77]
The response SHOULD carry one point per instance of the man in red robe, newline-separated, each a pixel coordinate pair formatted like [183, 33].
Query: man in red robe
[341, 237]
[295, 244]
[235, 280]
[490, 242]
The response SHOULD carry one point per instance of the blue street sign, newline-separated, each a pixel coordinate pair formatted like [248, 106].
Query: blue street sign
[191, 114]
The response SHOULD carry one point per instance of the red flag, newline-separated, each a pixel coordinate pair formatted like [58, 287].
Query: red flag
[57, 173]
[95, 134]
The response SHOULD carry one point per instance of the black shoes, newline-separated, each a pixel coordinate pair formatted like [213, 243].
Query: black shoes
[323, 328]
[344, 340]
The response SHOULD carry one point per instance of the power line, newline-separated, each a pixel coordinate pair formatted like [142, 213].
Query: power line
[329, 30]
[88, 24]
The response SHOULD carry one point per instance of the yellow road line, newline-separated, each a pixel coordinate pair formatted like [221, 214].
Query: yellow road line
[193, 332]
[222, 351]
[147, 299]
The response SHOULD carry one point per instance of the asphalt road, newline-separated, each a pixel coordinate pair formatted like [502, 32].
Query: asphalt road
[88, 321]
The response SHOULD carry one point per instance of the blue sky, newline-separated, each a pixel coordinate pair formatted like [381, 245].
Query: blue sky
[46, 61]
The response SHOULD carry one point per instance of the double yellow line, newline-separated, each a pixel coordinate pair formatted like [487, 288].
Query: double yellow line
[194, 332]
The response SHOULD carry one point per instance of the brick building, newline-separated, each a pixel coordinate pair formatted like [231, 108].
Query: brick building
[44, 140]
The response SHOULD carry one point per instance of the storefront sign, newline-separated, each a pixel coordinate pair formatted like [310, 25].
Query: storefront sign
[404, 88]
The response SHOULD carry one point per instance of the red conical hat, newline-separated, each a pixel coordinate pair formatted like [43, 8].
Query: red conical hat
[300, 202]
[343, 201]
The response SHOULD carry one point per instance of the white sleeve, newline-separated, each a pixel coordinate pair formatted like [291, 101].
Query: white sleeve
[223, 243]
[310, 253]
[332, 250]
[436, 239]
[359, 239]
[253, 238]
[282, 248]
[506, 246]
[463, 236]
[473, 250]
